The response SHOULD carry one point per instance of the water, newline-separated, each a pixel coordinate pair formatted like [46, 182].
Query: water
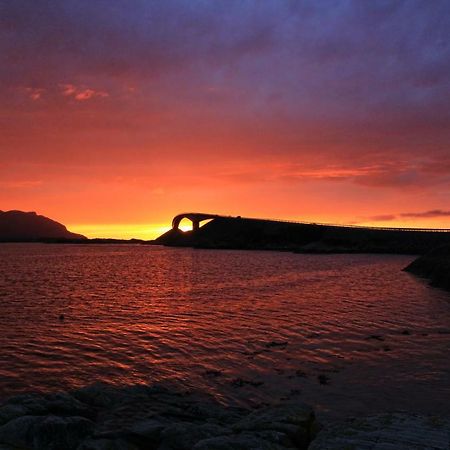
[247, 327]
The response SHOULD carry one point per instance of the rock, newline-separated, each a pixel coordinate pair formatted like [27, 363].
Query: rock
[37, 405]
[323, 379]
[212, 373]
[293, 419]
[301, 373]
[98, 394]
[183, 436]
[33, 403]
[147, 431]
[376, 337]
[56, 433]
[243, 441]
[63, 403]
[276, 437]
[46, 432]
[11, 411]
[276, 344]
[434, 266]
[19, 432]
[398, 431]
[107, 444]
[140, 417]
[8, 447]
[213, 412]
[240, 382]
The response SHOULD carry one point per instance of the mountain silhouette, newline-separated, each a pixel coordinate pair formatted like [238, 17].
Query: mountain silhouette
[17, 226]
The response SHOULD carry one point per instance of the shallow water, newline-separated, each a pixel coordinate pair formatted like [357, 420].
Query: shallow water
[247, 327]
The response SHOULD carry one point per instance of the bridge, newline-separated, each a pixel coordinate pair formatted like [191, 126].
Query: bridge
[196, 218]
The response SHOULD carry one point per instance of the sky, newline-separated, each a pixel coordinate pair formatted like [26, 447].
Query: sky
[116, 115]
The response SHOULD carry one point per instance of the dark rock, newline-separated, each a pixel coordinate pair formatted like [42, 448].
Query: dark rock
[323, 379]
[34, 403]
[11, 411]
[435, 266]
[147, 431]
[293, 419]
[97, 394]
[213, 412]
[398, 431]
[376, 337]
[276, 344]
[240, 382]
[212, 373]
[183, 436]
[46, 432]
[8, 447]
[107, 444]
[244, 441]
[143, 417]
[63, 404]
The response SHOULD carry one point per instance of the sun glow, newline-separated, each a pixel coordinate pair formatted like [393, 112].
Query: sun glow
[120, 231]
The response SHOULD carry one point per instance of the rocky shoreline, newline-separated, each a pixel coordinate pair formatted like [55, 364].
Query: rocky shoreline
[435, 266]
[104, 417]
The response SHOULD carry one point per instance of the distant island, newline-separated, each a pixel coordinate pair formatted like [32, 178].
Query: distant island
[20, 226]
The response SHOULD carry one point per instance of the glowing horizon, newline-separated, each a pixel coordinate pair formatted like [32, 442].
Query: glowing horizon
[152, 231]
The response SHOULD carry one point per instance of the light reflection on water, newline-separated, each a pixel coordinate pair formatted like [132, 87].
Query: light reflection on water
[225, 322]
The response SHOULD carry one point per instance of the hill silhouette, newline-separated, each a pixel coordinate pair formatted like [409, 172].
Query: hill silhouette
[20, 226]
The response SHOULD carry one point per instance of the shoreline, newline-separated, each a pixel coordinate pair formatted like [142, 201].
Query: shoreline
[138, 417]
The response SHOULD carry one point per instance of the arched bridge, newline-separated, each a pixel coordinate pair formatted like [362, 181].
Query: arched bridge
[195, 218]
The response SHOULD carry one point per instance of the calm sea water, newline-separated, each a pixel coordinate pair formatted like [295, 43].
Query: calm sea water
[247, 327]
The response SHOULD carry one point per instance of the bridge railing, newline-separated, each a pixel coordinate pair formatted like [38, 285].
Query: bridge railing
[334, 225]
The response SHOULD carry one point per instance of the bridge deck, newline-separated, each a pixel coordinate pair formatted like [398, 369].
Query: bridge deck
[196, 218]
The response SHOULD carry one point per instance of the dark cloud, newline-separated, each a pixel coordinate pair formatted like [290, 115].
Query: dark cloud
[334, 90]
[426, 214]
[383, 218]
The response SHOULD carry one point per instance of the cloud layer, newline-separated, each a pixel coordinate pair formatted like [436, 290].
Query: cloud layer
[235, 97]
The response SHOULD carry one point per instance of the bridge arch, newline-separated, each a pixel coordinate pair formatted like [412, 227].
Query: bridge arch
[195, 218]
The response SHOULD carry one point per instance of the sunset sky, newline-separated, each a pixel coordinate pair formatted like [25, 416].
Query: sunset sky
[115, 115]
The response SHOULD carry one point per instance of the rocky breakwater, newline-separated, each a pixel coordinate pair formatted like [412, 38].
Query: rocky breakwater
[102, 417]
[435, 266]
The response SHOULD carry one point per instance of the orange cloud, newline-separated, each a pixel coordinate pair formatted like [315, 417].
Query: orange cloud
[34, 93]
[80, 93]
